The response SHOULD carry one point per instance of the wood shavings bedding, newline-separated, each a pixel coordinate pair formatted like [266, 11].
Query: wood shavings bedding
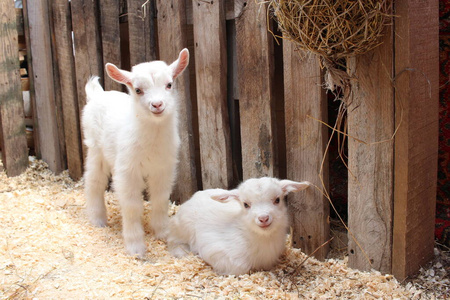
[48, 250]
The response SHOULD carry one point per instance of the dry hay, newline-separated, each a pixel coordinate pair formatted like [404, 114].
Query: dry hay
[49, 250]
[334, 30]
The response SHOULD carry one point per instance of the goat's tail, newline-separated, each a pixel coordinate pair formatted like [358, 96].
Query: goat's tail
[93, 88]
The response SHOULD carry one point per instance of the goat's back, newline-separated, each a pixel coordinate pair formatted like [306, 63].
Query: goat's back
[104, 113]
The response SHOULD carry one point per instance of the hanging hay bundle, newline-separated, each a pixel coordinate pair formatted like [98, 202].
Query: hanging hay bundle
[333, 29]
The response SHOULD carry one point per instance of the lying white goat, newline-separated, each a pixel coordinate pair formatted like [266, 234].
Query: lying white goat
[133, 137]
[244, 229]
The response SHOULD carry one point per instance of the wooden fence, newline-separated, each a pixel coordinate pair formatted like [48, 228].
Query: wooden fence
[250, 107]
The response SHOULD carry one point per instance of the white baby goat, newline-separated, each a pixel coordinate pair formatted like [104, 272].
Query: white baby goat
[133, 137]
[235, 237]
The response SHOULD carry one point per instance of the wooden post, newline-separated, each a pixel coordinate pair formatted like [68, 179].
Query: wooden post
[141, 27]
[416, 142]
[211, 69]
[26, 25]
[87, 44]
[110, 32]
[306, 141]
[66, 66]
[13, 143]
[371, 119]
[58, 95]
[254, 51]
[172, 34]
[44, 86]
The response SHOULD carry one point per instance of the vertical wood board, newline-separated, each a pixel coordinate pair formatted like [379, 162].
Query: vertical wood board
[110, 34]
[370, 184]
[66, 66]
[255, 74]
[87, 45]
[172, 34]
[211, 71]
[416, 142]
[33, 121]
[13, 142]
[306, 141]
[41, 60]
[59, 115]
[141, 26]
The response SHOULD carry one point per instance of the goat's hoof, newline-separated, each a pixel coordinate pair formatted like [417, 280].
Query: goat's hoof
[160, 229]
[99, 222]
[137, 249]
[179, 251]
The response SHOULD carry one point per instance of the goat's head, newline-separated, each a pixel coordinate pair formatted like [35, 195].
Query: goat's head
[262, 201]
[151, 83]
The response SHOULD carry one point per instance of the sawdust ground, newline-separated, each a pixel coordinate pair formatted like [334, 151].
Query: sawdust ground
[48, 250]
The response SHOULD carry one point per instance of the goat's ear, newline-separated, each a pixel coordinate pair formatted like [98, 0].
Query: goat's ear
[116, 74]
[292, 186]
[180, 64]
[224, 195]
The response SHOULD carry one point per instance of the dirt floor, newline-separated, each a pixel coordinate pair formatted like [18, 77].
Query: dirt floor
[48, 250]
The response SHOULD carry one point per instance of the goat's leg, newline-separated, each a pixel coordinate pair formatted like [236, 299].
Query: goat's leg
[178, 239]
[96, 181]
[160, 187]
[128, 187]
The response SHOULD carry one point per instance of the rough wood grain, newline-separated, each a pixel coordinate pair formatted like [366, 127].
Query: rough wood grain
[13, 142]
[110, 33]
[370, 193]
[59, 114]
[211, 68]
[255, 74]
[141, 26]
[416, 142]
[33, 121]
[66, 66]
[232, 9]
[44, 86]
[172, 37]
[306, 141]
[87, 44]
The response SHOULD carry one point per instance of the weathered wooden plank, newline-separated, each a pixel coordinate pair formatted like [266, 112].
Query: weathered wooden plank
[255, 74]
[44, 86]
[306, 141]
[416, 142]
[233, 102]
[110, 32]
[13, 143]
[87, 44]
[59, 115]
[141, 27]
[66, 66]
[19, 21]
[211, 71]
[370, 194]
[232, 9]
[172, 37]
[36, 145]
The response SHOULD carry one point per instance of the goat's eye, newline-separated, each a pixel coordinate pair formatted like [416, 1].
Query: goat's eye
[276, 201]
[169, 86]
[246, 205]
[138, 91]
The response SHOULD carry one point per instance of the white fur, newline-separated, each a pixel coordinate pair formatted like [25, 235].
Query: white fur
[227, 234]
[133, 138]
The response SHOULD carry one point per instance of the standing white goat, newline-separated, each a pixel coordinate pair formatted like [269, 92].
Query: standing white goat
[235, 237]
[133, 137]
